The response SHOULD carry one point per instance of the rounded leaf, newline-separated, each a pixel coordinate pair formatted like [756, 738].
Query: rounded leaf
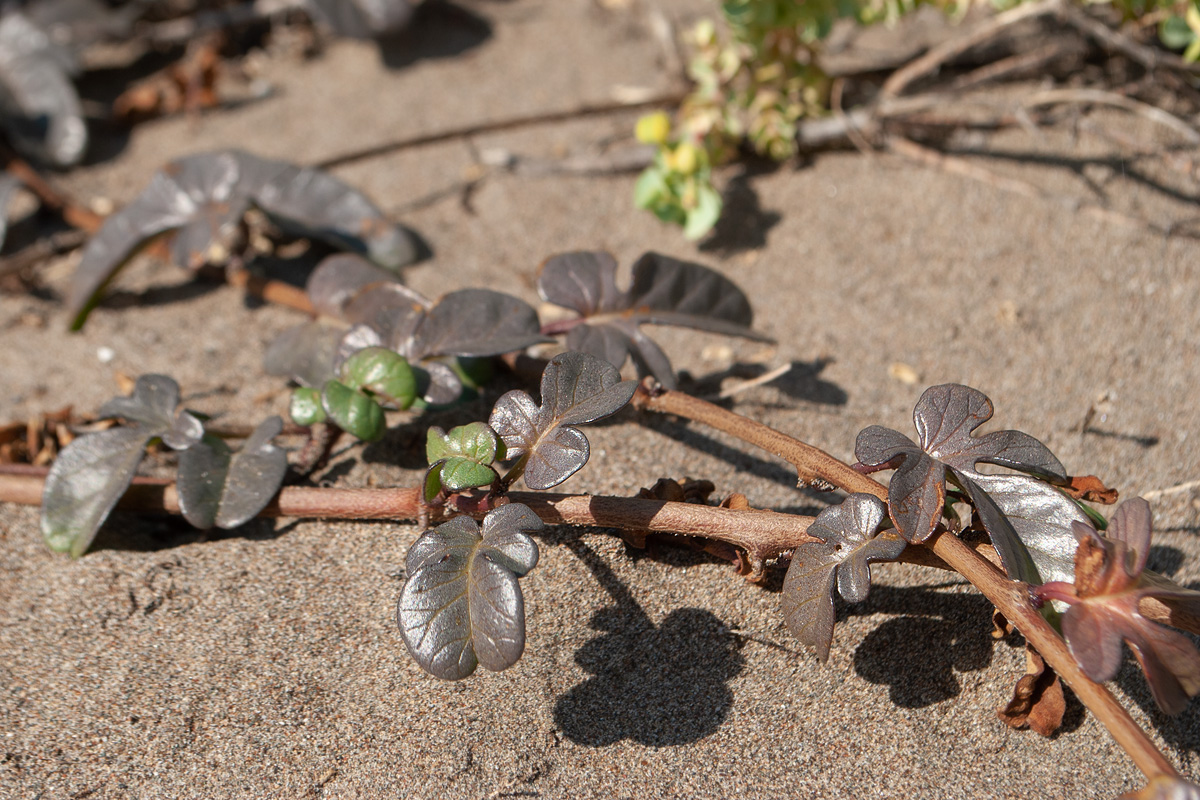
[383, 373]
[353, 411]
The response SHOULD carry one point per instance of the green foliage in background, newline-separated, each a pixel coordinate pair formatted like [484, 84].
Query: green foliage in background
[758, 73]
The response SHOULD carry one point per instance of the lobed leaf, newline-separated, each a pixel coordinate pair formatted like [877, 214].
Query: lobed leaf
[664, 291]
[202, 199]
[576, 389]
[460, 459]
[843, 559]
[152, 407]
[461, 605]
[945, 416]
[1109, 583]
[226, 489]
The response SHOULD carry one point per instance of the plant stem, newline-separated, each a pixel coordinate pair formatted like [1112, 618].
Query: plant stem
[815, 467]
[1010, 597]
[763, 533]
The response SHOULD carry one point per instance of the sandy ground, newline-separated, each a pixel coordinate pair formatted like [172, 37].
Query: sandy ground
[266, 663]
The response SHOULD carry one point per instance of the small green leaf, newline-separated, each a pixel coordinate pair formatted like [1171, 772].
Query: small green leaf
[382, 372]
[702, 218]
[1175, 33]
[433, 482]
[460, 473]
[305, 408]
[1192, 53]
[650, 189]
[353, 411]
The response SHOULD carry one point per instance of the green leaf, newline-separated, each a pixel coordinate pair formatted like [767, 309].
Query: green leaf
[475, 441]
[353, 411]
[702, 218]
[1192, 53]
[1175, 33]
[650, 189]
[433, 482]
[460, 473]
[382, 372]
[305, 408]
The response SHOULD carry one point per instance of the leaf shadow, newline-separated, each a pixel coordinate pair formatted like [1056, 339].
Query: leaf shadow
[744, 223]
[659, 685]
[740, 460]
[138, 533]
[438, 29]
[919, 653]
[801, 382]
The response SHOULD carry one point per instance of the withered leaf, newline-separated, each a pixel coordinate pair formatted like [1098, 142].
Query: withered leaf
[1038, 702]
[576, 389]
[461, 605]
[843, 559]
[665, 291]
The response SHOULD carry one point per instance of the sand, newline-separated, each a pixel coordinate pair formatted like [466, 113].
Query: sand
[265, 662]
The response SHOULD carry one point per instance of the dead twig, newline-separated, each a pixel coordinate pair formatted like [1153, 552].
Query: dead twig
[1101, 97]
[512, 123]
[939, 56]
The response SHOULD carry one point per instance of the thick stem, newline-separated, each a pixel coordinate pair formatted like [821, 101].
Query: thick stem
[815, 466]
[763, 533]
[1012, 599]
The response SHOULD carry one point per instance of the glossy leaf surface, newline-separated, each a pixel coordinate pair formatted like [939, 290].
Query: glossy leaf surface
[152, 406]
[1109, 582]
[39, 106]
[664, 291]
[462, 458]
[202, 199]
[86, 481]
[353, 412]
[945, 416]
[461, 605]
[221, 488]
[1039, 517]
[339, 277]
[576, 389]
[843, 559]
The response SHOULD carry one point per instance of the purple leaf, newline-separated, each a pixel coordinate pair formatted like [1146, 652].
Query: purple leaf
[476, 322]
[1109, 584]
[945, 416]
[843, 559]
[203, 198]
[226, 489]
[664, 291]
[576, 389]
[461, 605]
